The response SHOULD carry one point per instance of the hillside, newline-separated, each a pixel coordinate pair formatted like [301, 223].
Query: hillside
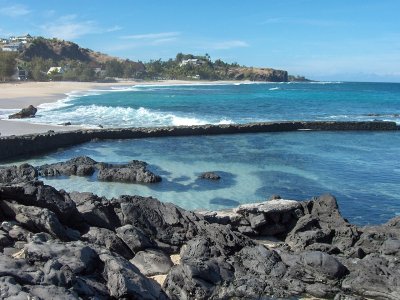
[59, 50]
[35, 56]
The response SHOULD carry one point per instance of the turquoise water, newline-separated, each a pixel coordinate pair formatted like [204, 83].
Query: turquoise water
[220, 104]
[361, 169]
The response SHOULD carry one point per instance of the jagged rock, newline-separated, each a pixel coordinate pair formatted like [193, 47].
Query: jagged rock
[52, 292]
[80, 258]
[35, 219]
[124, 280]
[152, 262]
[163, 222]
[135, 171]
[5, 240]
[17, 174]
[96, 211]
[18, 233]
[322, 223]
[374, 276]
[80, 166]
[107, 239]
[210, 176]
[28, 112]
[44, 196]
[135, 238]
[10, 289]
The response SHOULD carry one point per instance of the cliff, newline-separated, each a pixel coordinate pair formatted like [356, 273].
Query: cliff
[258, 74]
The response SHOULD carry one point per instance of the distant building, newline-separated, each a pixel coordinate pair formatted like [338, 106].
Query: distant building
[53, 70]
[191, 61]
[12, 47]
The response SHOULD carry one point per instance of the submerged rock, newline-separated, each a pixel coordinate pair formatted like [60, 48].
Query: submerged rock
[210, 176]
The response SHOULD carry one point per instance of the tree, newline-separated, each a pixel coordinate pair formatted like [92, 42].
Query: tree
[7, 65]
[114, 68]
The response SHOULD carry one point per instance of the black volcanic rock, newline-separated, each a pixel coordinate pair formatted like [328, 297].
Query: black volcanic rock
[299, 248]
[17, 174]
[135, 171]
[28, 112]
[210, 176]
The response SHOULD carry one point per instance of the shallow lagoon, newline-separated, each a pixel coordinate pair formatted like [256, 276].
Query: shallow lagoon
[361, 169]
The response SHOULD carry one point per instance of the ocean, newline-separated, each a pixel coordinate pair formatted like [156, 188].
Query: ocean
[361, 169]
[146, 106]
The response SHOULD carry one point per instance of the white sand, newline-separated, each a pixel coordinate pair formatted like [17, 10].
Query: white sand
[22, 94]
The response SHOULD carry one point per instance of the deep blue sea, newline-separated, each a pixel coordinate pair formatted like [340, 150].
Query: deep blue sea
[362, 169]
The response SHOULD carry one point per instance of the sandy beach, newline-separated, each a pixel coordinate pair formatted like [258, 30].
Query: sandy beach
[17, 95]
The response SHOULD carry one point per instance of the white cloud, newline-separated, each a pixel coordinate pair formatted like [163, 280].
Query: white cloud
[16, 10]
[151, 36]
[69, 27]
[224, 45]
[113, 29]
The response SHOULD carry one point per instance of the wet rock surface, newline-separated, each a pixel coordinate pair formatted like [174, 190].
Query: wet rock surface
[28, 112]
[58, 245]
[135, 171]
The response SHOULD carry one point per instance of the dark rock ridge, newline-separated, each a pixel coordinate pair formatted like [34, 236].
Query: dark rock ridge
[135, 171]
[28, 112]
[56, 245]
[12, 146]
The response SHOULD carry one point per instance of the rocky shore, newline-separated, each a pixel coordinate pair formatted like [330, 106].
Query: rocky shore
[59, 245]
[12, 146]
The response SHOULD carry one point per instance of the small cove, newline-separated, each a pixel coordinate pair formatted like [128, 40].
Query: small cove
[360, 168]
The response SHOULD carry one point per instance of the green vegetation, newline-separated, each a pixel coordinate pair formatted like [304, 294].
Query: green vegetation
[79, 64]
[7, 65]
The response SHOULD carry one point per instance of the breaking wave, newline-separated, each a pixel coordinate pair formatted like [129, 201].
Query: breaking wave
[108, 116]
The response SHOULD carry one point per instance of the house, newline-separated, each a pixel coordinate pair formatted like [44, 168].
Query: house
[55, 70]
[12, 47]
[191, 61]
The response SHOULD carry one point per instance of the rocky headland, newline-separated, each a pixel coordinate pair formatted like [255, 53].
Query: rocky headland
[59, 245]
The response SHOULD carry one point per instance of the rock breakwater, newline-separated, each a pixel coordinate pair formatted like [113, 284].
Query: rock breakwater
[62, 245]
[12, 146]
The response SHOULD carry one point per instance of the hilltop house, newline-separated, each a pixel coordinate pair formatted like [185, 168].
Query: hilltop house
[191, 61]
[55, 70]
[12, 47]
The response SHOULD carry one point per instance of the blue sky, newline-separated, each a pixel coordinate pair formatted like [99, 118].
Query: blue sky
[325, 40]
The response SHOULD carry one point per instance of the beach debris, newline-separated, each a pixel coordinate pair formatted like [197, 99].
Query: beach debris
[28, 112]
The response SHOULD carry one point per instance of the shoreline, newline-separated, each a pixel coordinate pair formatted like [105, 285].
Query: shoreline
[15, 96]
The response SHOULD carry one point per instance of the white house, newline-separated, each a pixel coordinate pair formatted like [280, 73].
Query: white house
[191, 61]
[53, 70]
[12, 47]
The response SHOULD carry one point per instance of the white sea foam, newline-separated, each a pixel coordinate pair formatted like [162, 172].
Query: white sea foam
[4, 113]
[274, 89]
[108, 116]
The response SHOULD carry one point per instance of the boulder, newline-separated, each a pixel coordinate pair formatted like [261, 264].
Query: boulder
[152, 262]
[28, 112]
[107, 239]
[96, 211]
[80, 166]
[135, 171]
[124, 280]
[17, 174]
[135, 238]
[210, 176]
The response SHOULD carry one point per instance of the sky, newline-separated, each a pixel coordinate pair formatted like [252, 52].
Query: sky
[346, 40]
